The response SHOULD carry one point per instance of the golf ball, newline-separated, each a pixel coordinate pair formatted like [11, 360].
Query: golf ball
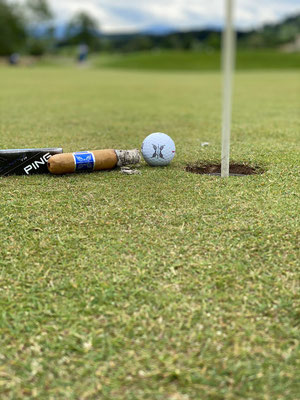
[158, 149]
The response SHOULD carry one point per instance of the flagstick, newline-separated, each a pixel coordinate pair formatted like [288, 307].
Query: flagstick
[228, 56]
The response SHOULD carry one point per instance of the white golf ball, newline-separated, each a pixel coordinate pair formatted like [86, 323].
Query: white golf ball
[158, 149]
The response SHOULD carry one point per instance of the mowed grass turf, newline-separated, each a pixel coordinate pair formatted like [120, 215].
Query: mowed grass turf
[165, 285]
[175, 60]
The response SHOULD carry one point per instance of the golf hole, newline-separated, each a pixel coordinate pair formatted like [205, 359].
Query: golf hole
[215, 169]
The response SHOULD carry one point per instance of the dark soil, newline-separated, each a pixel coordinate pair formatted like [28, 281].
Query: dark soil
[215, 169]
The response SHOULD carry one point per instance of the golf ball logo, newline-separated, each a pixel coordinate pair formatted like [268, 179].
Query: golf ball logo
[158, 149]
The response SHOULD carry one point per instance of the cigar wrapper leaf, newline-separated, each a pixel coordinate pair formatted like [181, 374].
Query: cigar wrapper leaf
[94, 160]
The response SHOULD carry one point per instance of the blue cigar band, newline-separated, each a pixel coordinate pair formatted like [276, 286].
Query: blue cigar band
[84, 161]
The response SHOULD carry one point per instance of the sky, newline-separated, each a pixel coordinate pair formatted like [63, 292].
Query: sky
[140, 15]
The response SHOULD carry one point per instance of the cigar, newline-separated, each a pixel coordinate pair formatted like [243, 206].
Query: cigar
[94, 160]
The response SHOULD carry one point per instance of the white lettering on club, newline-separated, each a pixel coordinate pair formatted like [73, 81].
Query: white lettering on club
[36, 164]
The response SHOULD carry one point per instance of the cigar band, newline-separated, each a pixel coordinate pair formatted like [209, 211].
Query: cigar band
[84, 161]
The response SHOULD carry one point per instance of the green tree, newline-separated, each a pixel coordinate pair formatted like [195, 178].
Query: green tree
[39, 10]
[83, 28]
[139, 43]
[39, 16]
[12, 29]
[187, 41]
[213, 41]
[172, 41]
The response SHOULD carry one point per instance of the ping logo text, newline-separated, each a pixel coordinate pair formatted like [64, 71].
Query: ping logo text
[36, 164]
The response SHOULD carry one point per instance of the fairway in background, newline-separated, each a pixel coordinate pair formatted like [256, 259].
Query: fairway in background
[199, 61]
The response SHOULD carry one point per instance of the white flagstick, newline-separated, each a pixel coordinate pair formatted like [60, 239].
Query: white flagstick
[228, 56]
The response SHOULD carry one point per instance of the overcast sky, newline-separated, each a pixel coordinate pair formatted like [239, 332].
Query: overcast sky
[132, 15]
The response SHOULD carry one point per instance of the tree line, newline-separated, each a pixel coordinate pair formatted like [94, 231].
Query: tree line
[30, 28]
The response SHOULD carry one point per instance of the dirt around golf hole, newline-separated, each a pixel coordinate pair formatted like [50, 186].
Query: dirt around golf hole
[235, 169]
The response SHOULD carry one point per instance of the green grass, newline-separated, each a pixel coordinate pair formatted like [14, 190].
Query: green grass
[199, 61]
[159, 286]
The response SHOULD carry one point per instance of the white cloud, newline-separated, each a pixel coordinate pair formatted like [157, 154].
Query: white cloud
[126, 15]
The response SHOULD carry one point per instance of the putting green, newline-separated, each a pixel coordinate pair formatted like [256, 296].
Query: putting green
[164, 285]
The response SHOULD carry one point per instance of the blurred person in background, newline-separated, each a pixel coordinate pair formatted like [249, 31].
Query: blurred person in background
[14, 59]
[83, 50]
